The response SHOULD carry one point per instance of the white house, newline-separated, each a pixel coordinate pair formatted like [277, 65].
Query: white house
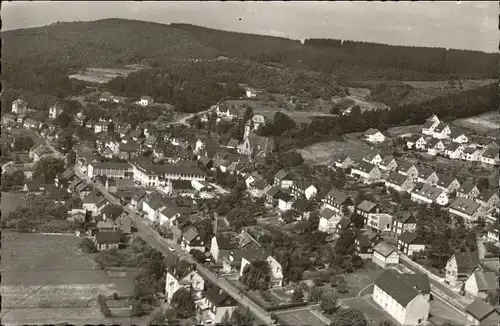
[458, 136]
[448, 183]
[302, 189]
[471, 154]
[385, 255]
[480, 283]
[427, 175]
[403, 221]
[152, 206]
[19, 106]
[368, 172]
[409, 169]
[283, 179]
[215, 306]
[374, 136]
[454, 150]
[479, 313]
[416, 141]
[429, 126]
[488, 198]
[399, 182]
[184, 275]
[252, 254]
[408, 243]
[388, 163]
[250, 92]
[55, 110]
[285, 201]
[401, 297]
[328, 220]
[442, 131]
[468, 190]
[373, 158]
[146, 101]
[221, 246]
[435, 146]
[258, 121]
[466, 208]
[490, 156]
[460, 266]
[493, 233]
[337, 200]
[342, 162]
[426, 193]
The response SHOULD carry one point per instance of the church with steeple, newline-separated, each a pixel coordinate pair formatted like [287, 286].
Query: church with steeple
[255, 145]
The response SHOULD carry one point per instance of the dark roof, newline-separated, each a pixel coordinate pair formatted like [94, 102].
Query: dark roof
[384, 248]
[226, 243]
[337, 196]
[366, 167]
[326, 213]
[405, 165]
[285, 196]
[428, 124]
[445, 180]
[155, 202]
[441, 126]
[387, 159]
[420, 282]
[453, 146]
[182, 269]
[366, 206]
[253, 254]
[408, 237]
[281, 175]
[465, 205]
[427, 191]
[480, 309]
[181, 184]
[301, 205]
[466, 261]
[108, 237]
[219, 298]
[486, 281]
[396, 178]
[466, 187]
[485, 195]
[371, 155]
[273, 191]
[425, 172]
[397, 286]
[490, 152]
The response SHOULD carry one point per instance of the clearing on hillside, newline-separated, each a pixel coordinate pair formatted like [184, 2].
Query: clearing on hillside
[325, 152]
[484, 124]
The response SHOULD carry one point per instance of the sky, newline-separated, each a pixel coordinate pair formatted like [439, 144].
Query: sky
[460, 24]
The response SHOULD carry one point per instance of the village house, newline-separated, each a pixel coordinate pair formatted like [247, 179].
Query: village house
[137, 200]
[402, 297]
[490, 156]
[285, 201]
[385, 255]
[427, 175]
[448, 183]
[488, 198]
[468, 190]
[64, 179]
[55, 110]
[272, 196]
[80, 119]
[252, 255]
[365, 241]
[442, 131]
[215, 306]
[192, 240]
[479, 313]
[146, 101]
[250, 92]
[302, 209]
[471, 154]
[283, 179]
[107, 240]
[328, 220]
[467, 209]
[454, 151]
[426, 193]
[388, 163]
[106, 225]
[302, 189]
[221, 246]
[183, 274]
[435, 147]
[232, 262]
[343, 162]
[416, 141]
[8, 119]
[102, 126]
[458, 136]
[337, 201]
[403, 221]
[19, 106]
[20, 118]
[343, 225]
[258, 121]
[94, 202]
[110, 170]
[374, 136]
[152, 206]
[494, 233]
[368, 172]
[37, 153]
[31, 124]
[460, 266]
[169, 214]
[125, 223]
[480, 283]
[429, 126]
[227, 112]
[408, 243]
[399, 182]
[373, 158]
[259, 187]
[483, 143]
[409, 169]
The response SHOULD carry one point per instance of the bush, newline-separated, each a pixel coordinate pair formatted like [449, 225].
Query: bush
[343, 288]
[87, 246]
[491, 248]
[104, 307]
[116, 296]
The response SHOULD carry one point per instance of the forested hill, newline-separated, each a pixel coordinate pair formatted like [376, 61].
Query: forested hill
[350, 57]
[40, 59]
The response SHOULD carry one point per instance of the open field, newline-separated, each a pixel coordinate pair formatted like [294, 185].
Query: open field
[360, 97]
[10, 202]
[487, 123]
[46, 279]
[103, 75]
[360, 282]
[301, 316]
[325, 152]
[413, 129]
[466, 84]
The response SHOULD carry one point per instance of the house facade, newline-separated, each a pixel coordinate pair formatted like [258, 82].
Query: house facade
[183, 275]
[385, 255]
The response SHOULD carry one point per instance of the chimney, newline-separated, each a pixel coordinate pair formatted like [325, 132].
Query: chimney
[221, 291]
[104, 217]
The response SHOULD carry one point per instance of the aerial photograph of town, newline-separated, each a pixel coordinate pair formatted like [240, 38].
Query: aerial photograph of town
[250, 163]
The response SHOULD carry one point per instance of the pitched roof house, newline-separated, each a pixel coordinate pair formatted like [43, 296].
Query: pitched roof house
[460, 265]
[479, 313]
[480, 283]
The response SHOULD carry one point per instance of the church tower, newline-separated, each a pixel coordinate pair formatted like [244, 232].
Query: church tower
[248, 127]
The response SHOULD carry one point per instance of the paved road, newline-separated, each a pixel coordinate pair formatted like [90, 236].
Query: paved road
[183, 121]
[156, 241]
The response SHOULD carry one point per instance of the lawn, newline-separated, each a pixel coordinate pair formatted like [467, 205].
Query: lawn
[46, 279]
[325, 152]
[301, 317]
[441, 313]
[360, 282]
[486, 123]
[10, 202]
